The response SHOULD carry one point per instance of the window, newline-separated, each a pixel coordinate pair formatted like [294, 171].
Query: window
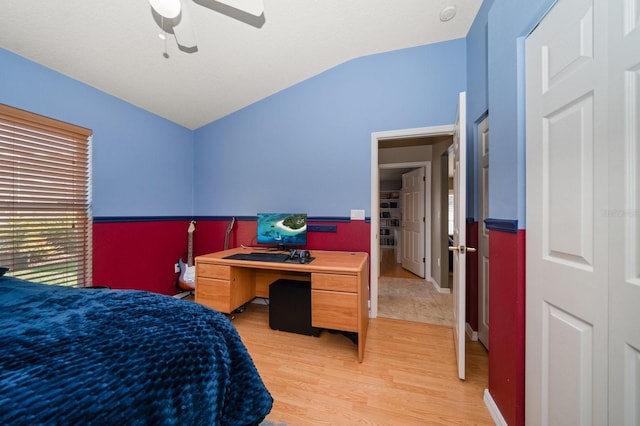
[45, 199]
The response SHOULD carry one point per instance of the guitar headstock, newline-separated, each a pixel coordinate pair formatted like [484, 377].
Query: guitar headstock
[192, 226]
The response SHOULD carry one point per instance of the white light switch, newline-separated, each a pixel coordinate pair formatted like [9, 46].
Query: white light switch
[357, 214]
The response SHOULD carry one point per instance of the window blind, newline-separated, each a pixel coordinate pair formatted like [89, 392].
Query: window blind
[45, 199]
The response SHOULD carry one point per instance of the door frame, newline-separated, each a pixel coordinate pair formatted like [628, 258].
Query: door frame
[483, 241]
[376, 137]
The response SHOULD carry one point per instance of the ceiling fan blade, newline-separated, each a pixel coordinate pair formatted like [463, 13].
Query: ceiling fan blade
[252, 7]
[185, 33]
[250, 12]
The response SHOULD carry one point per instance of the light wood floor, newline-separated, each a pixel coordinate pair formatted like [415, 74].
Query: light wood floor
[408, 376]
[389, 266]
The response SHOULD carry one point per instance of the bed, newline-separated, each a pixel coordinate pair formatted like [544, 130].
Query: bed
[99, 356]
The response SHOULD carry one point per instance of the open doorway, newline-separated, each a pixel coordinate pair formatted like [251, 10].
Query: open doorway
[405, 218]
[390, 153]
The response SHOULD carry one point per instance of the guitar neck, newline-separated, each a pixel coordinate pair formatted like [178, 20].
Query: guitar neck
[226, 235]
[190, 252]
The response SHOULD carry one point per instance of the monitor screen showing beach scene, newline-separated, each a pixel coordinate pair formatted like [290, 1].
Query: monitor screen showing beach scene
[282, 229]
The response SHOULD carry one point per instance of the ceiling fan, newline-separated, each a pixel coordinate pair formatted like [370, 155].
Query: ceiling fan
[173, 17]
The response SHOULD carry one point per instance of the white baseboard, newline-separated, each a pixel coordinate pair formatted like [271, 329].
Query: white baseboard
[182, 295]
[493, 409]
[473, 335]
[437, 286]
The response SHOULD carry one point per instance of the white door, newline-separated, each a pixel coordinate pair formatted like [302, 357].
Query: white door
[624, 212]
[483, 237]
[413, 221]
[459, 233]
[566, 197]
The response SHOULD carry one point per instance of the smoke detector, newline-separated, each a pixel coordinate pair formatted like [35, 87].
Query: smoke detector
[447, 13]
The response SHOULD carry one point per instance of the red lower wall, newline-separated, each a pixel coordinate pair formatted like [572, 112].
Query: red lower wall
[507, 330]
[138, 255]
[141, 254]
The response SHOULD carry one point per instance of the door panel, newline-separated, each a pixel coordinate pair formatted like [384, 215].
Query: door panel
[568, 369]
[413, 221]
[566, 274]
[459, 233]
[567, 143]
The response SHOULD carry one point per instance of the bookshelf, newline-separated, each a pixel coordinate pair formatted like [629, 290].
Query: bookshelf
[389, 217]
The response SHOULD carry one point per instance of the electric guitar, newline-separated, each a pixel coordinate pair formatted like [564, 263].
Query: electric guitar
[187, 277]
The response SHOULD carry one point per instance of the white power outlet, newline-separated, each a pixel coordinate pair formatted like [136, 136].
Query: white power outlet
[357, 214]
[176, 267]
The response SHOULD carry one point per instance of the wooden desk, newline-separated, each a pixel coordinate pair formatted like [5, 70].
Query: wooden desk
[339, 286]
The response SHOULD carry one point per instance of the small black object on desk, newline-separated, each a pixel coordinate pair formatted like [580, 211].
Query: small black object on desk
[299, 256]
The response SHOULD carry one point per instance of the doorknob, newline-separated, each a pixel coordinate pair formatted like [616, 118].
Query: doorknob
[462, 249]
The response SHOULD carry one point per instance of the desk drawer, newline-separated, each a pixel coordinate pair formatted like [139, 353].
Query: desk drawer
[213, 271]
[214, 293]
[334, 310]
[334, 282]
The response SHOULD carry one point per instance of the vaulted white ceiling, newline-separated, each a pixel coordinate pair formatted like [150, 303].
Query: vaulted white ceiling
[114, 46]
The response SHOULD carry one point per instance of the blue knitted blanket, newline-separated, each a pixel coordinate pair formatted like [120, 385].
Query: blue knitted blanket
[121, 357]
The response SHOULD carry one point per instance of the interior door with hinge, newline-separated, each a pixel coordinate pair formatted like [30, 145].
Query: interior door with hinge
[566, 202]
[413, 221]
[459, 247]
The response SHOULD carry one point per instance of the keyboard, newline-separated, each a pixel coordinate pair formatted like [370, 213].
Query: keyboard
[260, 257]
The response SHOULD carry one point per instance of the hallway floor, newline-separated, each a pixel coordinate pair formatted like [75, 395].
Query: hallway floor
[405, 296]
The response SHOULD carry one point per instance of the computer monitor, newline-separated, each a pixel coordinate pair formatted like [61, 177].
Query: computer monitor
[282, 230]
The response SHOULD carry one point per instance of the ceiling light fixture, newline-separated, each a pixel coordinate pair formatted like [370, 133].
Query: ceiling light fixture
[167, 8]
[179, 24]
[447, 13]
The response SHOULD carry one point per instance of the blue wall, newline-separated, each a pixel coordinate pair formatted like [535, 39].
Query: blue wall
[495, 83]
[142, 164]
[509, 22]
[307, 148]
[477, 98]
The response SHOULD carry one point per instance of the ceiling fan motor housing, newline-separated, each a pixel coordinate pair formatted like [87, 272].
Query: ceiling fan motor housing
[167, 8]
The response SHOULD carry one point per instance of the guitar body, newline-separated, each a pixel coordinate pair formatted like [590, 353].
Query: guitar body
[187, 278]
